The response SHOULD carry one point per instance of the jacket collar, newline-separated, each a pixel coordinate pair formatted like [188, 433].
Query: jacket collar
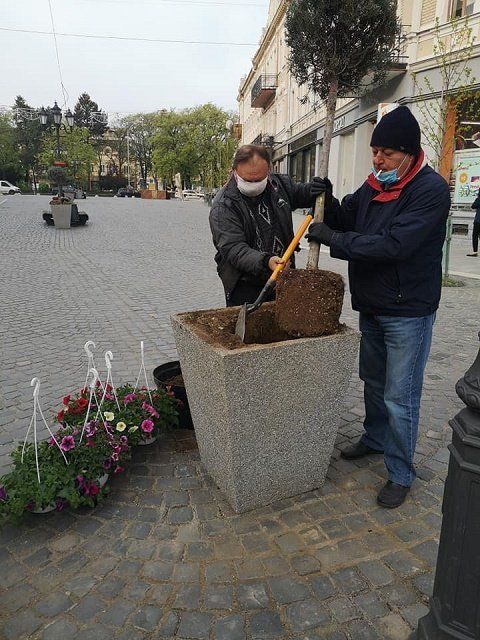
[395, 191]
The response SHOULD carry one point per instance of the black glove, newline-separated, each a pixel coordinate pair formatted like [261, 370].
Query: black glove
[320, 233]
[319, 186]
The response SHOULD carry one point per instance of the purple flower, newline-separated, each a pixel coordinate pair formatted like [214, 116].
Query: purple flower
[123, 440]
[115, 457]
[130, 397]
[80, 481]
[60, 504]
[147, 426]
[107, 465]
[67, 443]
[108, 396]
[3, 495]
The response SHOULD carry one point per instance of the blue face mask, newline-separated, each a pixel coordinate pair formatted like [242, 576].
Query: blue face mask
[388, 177]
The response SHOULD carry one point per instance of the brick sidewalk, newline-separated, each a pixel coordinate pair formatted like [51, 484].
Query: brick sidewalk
[164, 556]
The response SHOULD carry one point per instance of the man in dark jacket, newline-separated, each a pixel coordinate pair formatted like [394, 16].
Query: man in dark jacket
[392, 231]
[476, 227]
[251, 222]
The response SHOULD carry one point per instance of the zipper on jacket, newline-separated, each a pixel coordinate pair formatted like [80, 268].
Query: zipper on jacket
[399, 298]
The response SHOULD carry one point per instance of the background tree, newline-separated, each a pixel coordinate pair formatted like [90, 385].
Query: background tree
[77, 151]
[141, 129]
[28, 138]
[338, 49]
[10, 163]
[82, 116]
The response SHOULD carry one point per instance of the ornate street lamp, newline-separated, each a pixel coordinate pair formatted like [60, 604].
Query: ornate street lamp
[57, 121]
[455, 604]
[69, 119]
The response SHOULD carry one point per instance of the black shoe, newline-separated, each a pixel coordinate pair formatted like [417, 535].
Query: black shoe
[358, 450]
[392, 495]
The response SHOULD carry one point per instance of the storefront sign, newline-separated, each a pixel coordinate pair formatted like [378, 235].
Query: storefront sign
[467, 176]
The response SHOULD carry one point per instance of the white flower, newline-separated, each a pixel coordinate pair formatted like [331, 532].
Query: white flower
[121, 426]
[133, 429]
[109, 416]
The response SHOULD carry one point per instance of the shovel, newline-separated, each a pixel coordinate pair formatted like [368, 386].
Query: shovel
[249, 308]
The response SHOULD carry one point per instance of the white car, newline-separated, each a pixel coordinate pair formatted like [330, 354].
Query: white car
[8, 188]
[190, 194]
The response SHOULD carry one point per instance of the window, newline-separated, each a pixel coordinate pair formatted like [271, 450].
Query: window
[462, 8]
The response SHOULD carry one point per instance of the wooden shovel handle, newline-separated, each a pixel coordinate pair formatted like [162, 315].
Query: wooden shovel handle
[291, 248]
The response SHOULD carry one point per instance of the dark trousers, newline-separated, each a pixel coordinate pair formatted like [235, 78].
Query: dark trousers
[246, 292]
[475, 235]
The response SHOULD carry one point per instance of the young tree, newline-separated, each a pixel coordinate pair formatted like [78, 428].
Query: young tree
[453, 94]
[10, 164]
[336, 49]
[77, 151]
[141, 130]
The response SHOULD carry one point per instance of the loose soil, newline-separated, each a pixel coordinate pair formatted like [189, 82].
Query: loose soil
[309, 302]
[217, 327]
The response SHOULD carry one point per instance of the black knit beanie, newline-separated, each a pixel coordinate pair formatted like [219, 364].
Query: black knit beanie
[398, 130]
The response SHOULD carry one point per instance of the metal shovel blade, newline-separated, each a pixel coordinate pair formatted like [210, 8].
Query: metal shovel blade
[241, 320]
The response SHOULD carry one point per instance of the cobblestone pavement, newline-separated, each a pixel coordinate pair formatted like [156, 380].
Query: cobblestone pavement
[164, 556]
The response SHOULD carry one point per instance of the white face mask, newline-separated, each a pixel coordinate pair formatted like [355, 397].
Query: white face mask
[250, 189]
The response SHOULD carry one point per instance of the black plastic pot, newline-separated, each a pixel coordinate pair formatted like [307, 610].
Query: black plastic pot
[166, 372]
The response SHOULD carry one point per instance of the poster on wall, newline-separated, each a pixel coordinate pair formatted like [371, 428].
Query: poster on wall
[467, 176]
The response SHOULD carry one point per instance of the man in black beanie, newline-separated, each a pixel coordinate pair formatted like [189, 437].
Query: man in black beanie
[391, 231]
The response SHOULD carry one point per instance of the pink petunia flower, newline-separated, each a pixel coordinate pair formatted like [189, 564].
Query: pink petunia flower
[147, 426]
[123, 440]
[67, 443]
[90, 488]
[3, 494]
[151, 410]
[115, 457]
[107, 465]
[118, 469]
[130, 397]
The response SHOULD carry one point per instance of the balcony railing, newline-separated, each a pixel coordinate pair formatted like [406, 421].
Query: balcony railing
[263, 91]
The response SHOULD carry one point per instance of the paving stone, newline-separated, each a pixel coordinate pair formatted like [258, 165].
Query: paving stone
[404, 563]
[168, 626]
[397, 595]
[250, 569]
[17, 597]
[371, 605]
[21, 625]
[147, 618]
[199, 551]
[117, 613]
[59, 630]
[186, 572]
[188, 597]
[53, 605]
[426, 551]
[286, 590]
[219, 597]
[219, 572]
[231, 628]
[392, 627]
[170, 550]
[322, 587]
[424, 583]
[180, 515]
[307, 614]
[194, 625]
[176, 498]
[252, 596]
[95, 631]
[266, 624]
[87, 608]
[413, 613]
[275, 566]
[290, 543]
[349, 580]
[361, 630]
[305, 564]
[342, 609]
[376, 572]
[158, 570]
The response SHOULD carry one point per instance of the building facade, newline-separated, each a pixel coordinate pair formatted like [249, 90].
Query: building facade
[273, 110]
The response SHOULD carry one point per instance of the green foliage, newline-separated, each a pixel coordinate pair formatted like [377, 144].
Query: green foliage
[28, 137]
[112, 183]
[44, 188]
[340, 42]
[194, 143]
[10, 161]
[77, 151]
[57, 175]
[141, 129]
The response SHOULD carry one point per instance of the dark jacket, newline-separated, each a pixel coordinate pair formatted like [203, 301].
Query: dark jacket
[394, 247]
[233, 231]
[476, 205]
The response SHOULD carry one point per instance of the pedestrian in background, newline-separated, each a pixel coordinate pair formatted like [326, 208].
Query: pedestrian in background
[476, 227]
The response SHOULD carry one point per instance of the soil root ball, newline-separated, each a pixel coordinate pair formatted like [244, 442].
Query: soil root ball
[309, 302]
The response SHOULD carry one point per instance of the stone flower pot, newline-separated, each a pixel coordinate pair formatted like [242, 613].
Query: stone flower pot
[62, 215]
[265, 415]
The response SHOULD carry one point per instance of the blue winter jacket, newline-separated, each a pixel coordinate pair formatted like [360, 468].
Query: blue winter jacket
[393, 243]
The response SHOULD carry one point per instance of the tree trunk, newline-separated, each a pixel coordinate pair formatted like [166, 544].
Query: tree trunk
[331, 105]
[34, 182]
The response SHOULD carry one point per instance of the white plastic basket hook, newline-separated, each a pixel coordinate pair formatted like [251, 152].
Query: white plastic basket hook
[109, 381]
[35, 383]
[91, 360]
[144, 371]
[93, 385]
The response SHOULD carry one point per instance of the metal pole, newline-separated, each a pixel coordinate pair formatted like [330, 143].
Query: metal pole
[128, 159]
[455, 604]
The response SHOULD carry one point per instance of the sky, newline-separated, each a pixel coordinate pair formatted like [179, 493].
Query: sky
[125, 76]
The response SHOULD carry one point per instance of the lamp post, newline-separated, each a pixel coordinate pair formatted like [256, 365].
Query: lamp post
[455, 604]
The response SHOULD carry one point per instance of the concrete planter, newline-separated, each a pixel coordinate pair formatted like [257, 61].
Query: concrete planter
[265, 416]
[62, 215]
